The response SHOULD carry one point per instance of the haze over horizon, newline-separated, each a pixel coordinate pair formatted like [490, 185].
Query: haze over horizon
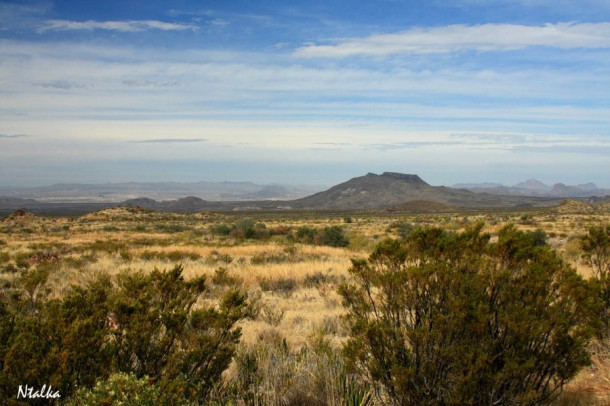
[312, 92]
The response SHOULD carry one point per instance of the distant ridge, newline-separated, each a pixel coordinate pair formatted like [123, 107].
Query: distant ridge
[390, 191]
[533, 187]
[118, 192]
[394, 189]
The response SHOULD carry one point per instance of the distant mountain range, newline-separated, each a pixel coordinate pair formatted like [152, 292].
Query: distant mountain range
[533, 187]
[117, 192]
[390, 191]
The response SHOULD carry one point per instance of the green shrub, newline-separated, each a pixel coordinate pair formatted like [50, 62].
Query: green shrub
[171, 256]
[449, 318]
[119, 389]
[538, 237]
[319, 278]
[402, 228]
[221, 277]
[216, 257]
[289, 255]
[145, 326]
[333, 236]
[305, 234]
[282, 286]
[220, 229]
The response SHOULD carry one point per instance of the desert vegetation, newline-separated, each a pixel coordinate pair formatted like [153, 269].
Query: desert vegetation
[283, 308]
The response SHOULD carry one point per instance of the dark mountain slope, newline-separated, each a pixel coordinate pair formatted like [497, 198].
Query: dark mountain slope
[390, 189]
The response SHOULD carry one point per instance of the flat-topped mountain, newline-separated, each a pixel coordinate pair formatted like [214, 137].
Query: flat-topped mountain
[391, 189]
[369, 191]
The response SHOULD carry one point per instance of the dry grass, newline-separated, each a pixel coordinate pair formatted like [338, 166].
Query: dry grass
[124, 240]
[592, 385]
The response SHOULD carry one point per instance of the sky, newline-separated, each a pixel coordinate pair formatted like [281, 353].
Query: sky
[304, 92]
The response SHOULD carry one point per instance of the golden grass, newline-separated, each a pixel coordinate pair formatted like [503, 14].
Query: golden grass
[143, 241]
[593, 381]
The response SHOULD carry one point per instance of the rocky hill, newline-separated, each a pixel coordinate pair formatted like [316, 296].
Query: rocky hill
[392, 189]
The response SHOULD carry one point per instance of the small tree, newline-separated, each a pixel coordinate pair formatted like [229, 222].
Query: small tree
[450, 319]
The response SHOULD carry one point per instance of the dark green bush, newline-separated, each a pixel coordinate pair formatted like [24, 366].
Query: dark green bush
[244, 229]
[445, 318]
[220, 229]
[402, 228]
[306, 234]
[145, 326]
[333, 236]
[538, 236]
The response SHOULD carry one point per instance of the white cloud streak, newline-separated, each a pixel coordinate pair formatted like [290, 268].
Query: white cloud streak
[121, 26]
[455, 38]
[13, 135]
[169, 140]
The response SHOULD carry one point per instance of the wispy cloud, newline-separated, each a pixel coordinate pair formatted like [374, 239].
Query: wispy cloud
[453, 38]
[148, 83]
[169, 140]
[410, 145]
[62, 85]
[121, 26]
[219, 22]
[497, 138]
[602, 150]
[13, 135]
[16, 17]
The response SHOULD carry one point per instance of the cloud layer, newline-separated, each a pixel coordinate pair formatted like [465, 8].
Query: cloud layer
[169, 140]
[120, 26]
[454, 38]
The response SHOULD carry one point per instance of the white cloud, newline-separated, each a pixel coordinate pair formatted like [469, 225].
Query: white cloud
[453, 38]
[168, 140]
[121, 26]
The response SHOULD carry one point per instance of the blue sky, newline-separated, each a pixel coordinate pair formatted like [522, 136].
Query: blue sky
[302, 92]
